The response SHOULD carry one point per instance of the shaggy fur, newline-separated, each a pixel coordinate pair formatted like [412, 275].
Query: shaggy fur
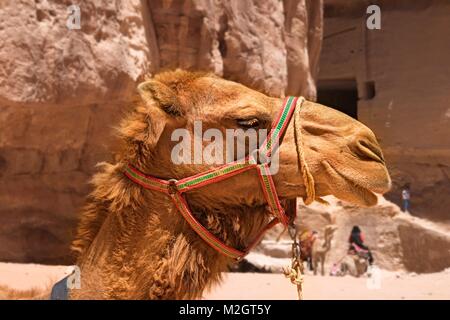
[133, 244]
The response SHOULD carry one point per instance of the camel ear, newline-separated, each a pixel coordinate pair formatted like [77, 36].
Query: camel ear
[142, 129]
[160, 105]
[156, 93]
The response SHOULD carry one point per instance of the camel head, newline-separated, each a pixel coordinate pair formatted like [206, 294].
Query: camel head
[342, 154]
[329, 232]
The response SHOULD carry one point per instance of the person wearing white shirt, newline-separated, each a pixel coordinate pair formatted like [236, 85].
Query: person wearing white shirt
[406, 196]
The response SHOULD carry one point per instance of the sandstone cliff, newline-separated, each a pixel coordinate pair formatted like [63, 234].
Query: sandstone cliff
[402, 75]
[61, 90]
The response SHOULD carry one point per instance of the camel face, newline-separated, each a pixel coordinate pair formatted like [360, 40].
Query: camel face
[343, 155]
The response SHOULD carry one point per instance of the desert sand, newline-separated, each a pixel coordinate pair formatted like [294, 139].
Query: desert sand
[392, 285]
[275, 286]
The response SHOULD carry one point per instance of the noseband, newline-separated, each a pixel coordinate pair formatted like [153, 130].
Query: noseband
[175, 188]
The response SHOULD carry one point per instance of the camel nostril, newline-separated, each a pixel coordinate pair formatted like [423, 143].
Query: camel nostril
[370, 150]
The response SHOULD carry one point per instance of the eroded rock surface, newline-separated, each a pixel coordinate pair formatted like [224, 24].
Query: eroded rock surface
[62, 91]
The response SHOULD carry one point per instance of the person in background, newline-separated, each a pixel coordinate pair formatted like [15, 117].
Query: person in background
[307, 239]
[406, 195]
[357, 245]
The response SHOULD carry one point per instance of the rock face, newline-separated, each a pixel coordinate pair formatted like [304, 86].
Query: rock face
[270, 45]
[62, 90]
[401, 74]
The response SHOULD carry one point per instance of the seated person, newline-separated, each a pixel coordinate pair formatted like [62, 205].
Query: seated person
[357, 245]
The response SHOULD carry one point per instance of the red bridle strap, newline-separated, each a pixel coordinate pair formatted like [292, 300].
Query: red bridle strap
[176, 188]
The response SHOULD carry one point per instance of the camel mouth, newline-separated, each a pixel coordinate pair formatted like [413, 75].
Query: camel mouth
[351, 190]
[370, 151]
[369, 196]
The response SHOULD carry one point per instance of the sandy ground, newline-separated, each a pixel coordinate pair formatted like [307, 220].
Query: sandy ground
[272, 286]
[391, 286]
[26, 276]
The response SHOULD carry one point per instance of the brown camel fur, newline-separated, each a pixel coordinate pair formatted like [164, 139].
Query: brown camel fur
[133, 244]
[320, 249]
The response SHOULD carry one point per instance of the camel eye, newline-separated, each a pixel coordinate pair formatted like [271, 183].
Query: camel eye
[248, 123]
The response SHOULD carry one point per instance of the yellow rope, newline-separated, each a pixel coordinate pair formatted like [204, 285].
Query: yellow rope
[306, 174]
[295, 271]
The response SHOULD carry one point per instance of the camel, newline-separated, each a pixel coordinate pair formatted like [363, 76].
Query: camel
[353, 265]
[132, 243]
[320, 249]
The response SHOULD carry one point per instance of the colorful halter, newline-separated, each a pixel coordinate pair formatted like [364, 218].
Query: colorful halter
[175, 188]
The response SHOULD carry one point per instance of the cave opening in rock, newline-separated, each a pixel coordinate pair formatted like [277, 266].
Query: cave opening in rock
[341, 95]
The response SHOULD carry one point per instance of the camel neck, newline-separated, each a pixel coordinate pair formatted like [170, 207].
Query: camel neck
[327, 243]
[144, 248]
